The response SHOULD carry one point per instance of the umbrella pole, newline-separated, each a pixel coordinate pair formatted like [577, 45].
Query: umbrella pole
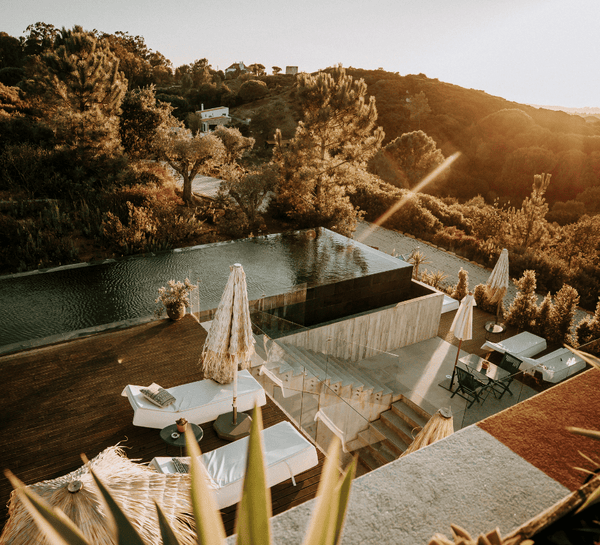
[235, 383]
[455, 362]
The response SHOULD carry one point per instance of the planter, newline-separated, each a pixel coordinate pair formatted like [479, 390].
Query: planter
[176, 312]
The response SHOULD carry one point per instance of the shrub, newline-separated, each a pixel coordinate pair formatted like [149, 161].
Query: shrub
[542, 316]
[522, 311]
[483, 301]
[462, 287]
[562, 314]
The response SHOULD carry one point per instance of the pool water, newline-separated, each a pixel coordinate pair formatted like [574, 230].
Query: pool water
[53, 302]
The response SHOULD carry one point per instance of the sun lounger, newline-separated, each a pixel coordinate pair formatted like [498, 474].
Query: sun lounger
[197, 402]
[287, 453]
[524, 344]
[556, 366]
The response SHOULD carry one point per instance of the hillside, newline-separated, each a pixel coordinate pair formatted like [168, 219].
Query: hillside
[502, 143]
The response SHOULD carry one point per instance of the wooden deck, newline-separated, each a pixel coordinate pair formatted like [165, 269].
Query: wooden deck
[64, 400]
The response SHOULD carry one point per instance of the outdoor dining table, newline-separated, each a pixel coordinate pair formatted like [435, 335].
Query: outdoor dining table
[483, 370]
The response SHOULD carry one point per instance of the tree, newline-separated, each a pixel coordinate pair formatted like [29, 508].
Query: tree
[407, 159]
[276, 70]
[336, 136]
[235, 144]
[140, 118]
[252, 90]
[257, 69]
[561, 316]
[522, 311]
[528, 224]
[187, 154]
[39, 38]
[83, 89]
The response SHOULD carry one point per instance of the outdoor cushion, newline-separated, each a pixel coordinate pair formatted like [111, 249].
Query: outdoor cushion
[556, 366]
[287, 453]
[197, 402]
[157, 395]
[524, 344]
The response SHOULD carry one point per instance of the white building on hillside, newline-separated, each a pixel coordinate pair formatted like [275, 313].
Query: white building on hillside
[213, 117]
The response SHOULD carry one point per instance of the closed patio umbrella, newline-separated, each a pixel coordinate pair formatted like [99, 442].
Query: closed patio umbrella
[440, 425]
[134, 486]
[230, 344]
[462, 326]
[496, 287]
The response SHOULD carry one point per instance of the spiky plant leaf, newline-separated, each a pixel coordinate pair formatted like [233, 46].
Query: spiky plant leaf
[344, 497]
[587, 433]
[254, 510]
[167, 534]
[324, 520]
[209, 524]
[117, 520]
[52, 522]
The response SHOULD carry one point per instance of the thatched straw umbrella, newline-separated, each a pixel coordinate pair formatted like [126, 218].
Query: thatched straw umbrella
[229, 345]
[134, 486]
[496, 288]
[440, 425]
[462, 326]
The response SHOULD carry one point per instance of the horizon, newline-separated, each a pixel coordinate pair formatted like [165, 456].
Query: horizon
[536, 52]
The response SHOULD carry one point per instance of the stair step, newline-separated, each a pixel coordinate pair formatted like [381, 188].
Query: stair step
[398, 425]
[409, 414]
[292, 355]
[377, 386]
[298, 367]
[366, 456]
[326, 371]
[359, 380]
[333, 367]
[379, 449]
[396, 442]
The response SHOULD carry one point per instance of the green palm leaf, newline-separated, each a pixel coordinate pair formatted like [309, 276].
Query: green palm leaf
[254, 511]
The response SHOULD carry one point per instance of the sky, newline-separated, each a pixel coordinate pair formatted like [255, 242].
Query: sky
[542, 52]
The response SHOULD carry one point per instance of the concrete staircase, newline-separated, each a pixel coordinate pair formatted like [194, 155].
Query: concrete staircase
[304, 370]
[389, 436]
[389, 422]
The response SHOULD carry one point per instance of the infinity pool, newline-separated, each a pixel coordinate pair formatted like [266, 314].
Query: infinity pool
[57, 301]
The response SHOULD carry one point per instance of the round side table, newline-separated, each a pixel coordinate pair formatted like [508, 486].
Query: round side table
[173, 438]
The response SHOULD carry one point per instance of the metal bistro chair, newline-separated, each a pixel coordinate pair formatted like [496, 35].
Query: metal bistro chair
[511, 364]
[472, 388]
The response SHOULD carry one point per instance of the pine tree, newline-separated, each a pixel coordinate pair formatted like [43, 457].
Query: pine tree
[542, 316]
[561, 317]
[335, 137]
[528, 224]
[522, 311]
[83, 88]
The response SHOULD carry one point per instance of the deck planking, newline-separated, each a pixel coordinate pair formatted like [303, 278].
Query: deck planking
[63, 400]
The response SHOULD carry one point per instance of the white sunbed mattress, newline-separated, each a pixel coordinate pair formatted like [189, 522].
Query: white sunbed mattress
[198, 402]
[449, 304]
[524, 344]
[556, 366]
[287, 453]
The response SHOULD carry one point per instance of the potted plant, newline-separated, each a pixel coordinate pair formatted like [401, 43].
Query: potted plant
[174, 299]
[181, 424]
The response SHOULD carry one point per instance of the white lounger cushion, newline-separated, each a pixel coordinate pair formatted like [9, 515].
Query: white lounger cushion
[198, 402]
[556, 366]
[287, 453]
[524, 344]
